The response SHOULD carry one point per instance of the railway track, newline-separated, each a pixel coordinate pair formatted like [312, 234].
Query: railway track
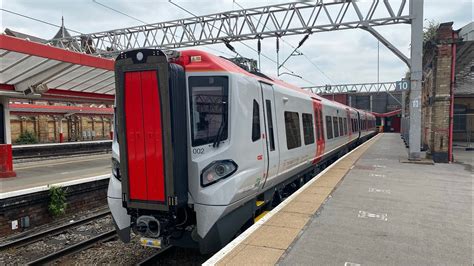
[109, 235]
[151, 260]
[23, 241]
[23, 244]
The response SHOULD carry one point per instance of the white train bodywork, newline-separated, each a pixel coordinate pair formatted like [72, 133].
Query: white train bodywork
[265, 133]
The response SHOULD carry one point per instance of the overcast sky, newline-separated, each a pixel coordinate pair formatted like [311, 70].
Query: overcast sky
[348, 56]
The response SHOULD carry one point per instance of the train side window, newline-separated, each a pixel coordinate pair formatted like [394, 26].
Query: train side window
[292, 128]
[256, 122]
[270, 125]
[341, 127]
[336, 126]
[329, 127]
[345, 126]
[308, 129]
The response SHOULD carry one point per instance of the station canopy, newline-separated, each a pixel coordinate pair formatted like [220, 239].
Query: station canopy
[32, 69]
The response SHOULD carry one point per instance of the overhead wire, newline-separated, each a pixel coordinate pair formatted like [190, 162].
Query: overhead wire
[144, 22]
[296, 49]
[36, 19]
[246, 45]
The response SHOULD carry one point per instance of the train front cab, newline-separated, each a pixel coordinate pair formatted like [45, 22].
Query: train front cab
[149, 187]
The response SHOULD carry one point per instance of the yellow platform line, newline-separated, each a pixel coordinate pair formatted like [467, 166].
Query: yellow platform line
[260, 216]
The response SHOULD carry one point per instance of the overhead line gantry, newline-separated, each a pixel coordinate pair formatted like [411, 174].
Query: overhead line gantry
[276, 21]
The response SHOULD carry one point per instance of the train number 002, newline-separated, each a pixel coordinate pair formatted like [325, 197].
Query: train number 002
[198, 151]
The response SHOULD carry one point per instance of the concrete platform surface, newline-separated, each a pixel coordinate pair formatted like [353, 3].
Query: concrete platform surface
[367, 209]
[40, 173]
[385, 212]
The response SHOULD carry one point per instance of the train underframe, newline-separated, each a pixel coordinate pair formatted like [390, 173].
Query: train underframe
[177, 227]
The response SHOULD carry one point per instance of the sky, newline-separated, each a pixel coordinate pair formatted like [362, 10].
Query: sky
[336, 57]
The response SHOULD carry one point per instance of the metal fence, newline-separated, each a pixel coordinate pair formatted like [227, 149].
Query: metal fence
[405, 129]
[463, 131]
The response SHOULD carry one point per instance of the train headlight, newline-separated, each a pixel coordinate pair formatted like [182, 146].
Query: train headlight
[116, 168]
[216, 171]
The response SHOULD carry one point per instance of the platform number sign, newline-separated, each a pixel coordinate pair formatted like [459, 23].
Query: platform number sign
[402, 85]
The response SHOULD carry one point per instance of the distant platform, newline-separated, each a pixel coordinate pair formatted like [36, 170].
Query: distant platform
[36, 176]
[368, 208]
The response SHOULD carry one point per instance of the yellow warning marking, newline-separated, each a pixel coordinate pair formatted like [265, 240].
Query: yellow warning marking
[260, 203]
[260, 216]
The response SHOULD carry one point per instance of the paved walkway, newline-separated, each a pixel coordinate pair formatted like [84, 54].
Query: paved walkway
[386, 212]
[383, 212]
[40, 173]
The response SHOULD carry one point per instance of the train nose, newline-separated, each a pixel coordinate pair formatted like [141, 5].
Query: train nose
[148, 226]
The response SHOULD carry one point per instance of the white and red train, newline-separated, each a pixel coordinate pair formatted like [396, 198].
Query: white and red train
[202, 146]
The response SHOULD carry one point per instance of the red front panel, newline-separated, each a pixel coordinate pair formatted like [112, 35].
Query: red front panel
[144, 136]
[134, 134]
[153, 136]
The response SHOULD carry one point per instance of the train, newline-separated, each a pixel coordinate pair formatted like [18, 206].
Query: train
[204, 145]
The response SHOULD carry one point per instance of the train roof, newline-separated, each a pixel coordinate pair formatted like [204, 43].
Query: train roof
[199, 61]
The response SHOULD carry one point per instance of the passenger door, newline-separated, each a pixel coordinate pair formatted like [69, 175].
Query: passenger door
[272, 159]
[318, 118]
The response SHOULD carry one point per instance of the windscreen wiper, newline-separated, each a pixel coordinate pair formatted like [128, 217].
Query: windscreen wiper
[220, 132]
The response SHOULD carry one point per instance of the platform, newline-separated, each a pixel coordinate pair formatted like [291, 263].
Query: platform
[32, 176]
[367, 209]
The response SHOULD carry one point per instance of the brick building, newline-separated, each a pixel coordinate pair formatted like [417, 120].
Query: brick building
[59, 122]
[463, 123]
[447, 90]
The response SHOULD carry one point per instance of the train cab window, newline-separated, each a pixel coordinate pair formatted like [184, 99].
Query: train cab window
[270, 125]
[341, 127]
[329, 127]
[345, 126]
[208, 109]
[256, 122]
[308, 129]
[336, 126]
[292, 127]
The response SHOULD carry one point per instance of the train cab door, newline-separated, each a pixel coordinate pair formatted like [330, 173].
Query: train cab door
[318, 125]
[272, 159]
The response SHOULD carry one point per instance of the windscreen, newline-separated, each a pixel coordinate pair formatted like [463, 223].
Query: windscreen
[208, 109]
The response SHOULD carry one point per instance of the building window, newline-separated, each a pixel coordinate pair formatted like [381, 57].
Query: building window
[329, 127]
[292, 126]
[336, 126]
[460, 118]
[256, 122]
[308, 129]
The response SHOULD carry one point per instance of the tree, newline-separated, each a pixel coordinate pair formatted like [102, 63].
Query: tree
[429, 30]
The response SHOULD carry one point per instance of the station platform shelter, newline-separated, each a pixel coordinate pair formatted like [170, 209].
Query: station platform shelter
[32, 70]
